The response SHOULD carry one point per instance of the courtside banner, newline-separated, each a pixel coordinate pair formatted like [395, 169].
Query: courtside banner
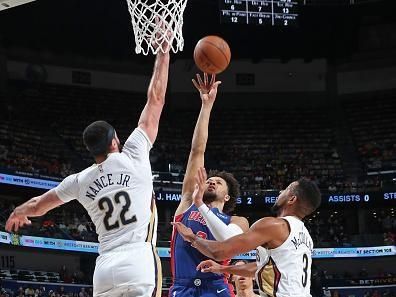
[376, 251]
[246, 256]
[164, 252]
[27, 181]
[59, 244]
[5, 237]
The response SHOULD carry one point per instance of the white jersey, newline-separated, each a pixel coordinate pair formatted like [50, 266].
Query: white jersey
[118, 194]
[286, 270]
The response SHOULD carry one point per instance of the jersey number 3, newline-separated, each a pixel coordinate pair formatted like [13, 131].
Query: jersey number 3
[305, 270]
[126, 203]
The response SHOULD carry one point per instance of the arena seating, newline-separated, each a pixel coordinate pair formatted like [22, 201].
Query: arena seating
[41, 127]
[272, 146]
[374, 130]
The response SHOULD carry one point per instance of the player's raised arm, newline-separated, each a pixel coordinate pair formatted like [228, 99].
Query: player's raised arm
[265, 231]
[208, 91]
[149, 119]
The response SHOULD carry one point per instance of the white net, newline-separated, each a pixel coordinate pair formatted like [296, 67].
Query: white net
[157, 25]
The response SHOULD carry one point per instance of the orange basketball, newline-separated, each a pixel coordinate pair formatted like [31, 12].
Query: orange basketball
[212, 54]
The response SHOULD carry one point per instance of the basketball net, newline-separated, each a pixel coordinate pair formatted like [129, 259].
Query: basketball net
[157, 25]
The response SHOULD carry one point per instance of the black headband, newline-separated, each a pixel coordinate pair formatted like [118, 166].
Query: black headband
[102, 146]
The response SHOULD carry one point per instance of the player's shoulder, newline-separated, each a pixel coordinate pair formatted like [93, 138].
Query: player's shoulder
[238, 218]
[87, 170]
[138, 135]
[271, 222]
[240, 221]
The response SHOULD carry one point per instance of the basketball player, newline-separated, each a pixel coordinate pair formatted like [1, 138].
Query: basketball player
[117, 192]
[243, 284]
[284, 246]
[206, 214]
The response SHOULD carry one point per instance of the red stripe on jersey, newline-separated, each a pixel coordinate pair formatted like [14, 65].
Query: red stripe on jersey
[178, 218]
[231, 289]
[277, 277]
[227, 277]
[226, 263]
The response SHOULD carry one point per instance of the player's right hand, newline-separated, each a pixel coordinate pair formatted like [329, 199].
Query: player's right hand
[163, 30]
[200, 187]
[207, 89]
[209, 266]
[15, 222]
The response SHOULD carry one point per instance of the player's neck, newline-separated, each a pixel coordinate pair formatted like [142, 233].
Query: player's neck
[216, 204]
[289, 213]
[100, 159]
[245, 293]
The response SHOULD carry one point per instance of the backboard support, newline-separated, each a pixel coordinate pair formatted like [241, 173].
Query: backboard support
[6, 4]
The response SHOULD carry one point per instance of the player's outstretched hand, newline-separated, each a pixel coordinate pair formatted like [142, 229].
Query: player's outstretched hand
[207, 89]
[15, 222]
[200, 186]
[185, 232]
[209, 266]
[163, 30]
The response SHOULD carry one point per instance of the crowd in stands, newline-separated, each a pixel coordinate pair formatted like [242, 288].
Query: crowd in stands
[70, 223]
[41, 127]
[340, 228]
[384, 221]
[41, 291]
[272, 147]
[328, 228]
[374, 131]
[319, 286]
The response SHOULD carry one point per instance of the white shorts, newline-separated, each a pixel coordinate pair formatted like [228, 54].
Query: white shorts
[128, 271]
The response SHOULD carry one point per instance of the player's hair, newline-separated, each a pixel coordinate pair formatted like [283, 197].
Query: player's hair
[233, 188]
[309, 193]
[97, 137]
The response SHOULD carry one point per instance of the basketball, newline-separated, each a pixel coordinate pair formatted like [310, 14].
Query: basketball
[212, 54]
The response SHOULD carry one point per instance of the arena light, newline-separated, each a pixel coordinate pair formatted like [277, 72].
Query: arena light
[6, 4]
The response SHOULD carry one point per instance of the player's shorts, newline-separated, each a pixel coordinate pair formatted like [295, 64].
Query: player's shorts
[133, 270]
[201, 288]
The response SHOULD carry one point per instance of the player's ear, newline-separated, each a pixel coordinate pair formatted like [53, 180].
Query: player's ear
[293, 199]
[113, 145]
[227, 197]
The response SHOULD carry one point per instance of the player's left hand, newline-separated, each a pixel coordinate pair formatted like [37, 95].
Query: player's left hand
[200, 186]
[185, 232]
[207, 89]
[15, 222]
[209, 266]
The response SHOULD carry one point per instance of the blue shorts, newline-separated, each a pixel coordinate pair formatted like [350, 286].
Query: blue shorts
[201, 288]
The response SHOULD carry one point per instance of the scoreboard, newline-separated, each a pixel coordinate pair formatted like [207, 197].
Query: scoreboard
[263, 12]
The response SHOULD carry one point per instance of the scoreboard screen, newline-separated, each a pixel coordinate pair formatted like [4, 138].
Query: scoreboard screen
[264, 12]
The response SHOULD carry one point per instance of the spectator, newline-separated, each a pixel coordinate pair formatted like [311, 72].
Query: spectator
[326, 292]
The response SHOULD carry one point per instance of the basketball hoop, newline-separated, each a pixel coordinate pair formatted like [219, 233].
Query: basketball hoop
[157, 25]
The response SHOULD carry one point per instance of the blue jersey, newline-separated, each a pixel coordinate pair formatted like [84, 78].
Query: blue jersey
[185, 258]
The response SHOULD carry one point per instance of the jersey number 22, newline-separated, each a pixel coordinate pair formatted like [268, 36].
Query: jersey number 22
[126, 203]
